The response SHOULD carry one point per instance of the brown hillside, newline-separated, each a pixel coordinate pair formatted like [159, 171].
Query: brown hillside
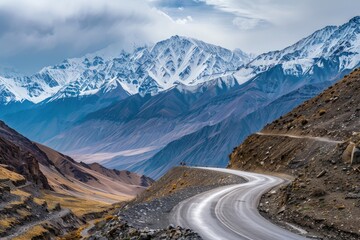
[123, 176]
[88, 182]
[44, 193]
[335, 113]
[22, 156]
[325, 195]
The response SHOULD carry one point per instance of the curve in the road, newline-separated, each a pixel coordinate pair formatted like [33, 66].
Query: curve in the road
[231, 212]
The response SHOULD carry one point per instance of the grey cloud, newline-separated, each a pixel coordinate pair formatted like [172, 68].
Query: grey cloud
[50, 36]
[37, 33]
[11, 23]
[103, 19]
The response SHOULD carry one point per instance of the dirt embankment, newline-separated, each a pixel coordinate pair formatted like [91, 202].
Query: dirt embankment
[325, 195]
[152, 207]
[183, 178]
[150, 210]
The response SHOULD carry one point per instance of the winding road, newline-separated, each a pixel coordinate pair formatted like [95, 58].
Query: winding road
[230, 212]
[319, 139]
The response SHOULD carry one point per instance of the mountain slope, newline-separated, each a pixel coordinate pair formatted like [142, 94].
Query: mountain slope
[58, 96]
[324, 195]
[333, 44]
[139, 132]
[210, 145]
[22, 156]
[309, 65]
[45, 194]
[92, 182]
[52, 170]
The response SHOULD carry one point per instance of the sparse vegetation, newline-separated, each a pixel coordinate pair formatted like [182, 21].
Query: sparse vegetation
[20, 193]
[304, 122]
[78, 206]
[36, 231]
[29, 198]
[39, 201]
[6, 222]
[74, 235]
[10, 175]
[322, 112]
[318, 192]
[178, 179]
[23, 213]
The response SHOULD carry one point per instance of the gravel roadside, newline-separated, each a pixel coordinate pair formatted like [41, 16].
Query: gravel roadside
[147, 217]
[155, 213]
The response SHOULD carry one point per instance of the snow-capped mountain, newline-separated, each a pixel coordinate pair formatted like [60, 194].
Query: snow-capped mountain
[179, 61]
[341, 44]
[203, 100]
[169, 63]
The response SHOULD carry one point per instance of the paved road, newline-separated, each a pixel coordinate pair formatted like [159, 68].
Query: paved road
[319, 139]
[231, 212]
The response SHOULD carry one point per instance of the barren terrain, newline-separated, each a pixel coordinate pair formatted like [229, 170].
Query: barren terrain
[316, 143]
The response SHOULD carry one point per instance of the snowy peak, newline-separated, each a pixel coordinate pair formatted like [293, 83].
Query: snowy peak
[308, 47]
[333, 43]
[187, 61]
[181, 61]
[177, 60]
[9, 93]
[355, 20]
[344, 39]
[223, 53]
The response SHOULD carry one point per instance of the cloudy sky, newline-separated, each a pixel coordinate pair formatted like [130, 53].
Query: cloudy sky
[37, 33]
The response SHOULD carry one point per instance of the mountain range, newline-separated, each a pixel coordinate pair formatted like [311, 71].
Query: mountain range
[178, 100]
[147, 70]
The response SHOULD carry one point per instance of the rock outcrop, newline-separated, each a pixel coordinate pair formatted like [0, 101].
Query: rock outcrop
[22, 155]
[116, 229]
[318, 145]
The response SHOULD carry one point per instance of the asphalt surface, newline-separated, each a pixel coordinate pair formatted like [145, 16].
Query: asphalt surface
[231, 212]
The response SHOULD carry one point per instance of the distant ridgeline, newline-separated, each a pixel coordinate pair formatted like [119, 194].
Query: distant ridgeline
[181, 100]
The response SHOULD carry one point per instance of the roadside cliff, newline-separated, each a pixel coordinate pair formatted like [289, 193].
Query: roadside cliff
[318, 144]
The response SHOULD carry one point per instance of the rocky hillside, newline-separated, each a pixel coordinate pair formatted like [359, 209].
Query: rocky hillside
[45, 193]
[91, 181]
[123, 176]
[22, 156]
[24, 216]
[318, 143]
